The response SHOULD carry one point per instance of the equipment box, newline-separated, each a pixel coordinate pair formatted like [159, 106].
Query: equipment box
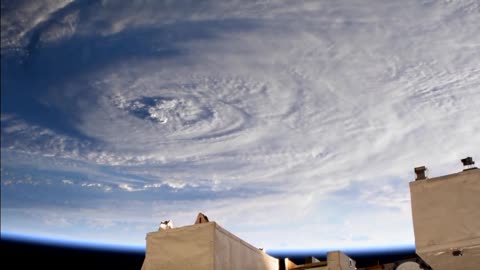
[205, 246]
[446, 220]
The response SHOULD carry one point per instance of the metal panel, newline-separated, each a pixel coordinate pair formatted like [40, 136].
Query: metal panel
[446, 220]
[204, 246]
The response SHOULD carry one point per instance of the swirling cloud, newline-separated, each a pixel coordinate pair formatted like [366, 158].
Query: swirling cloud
[240, 109]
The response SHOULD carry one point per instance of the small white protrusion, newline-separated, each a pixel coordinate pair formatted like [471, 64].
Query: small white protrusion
[166, 225]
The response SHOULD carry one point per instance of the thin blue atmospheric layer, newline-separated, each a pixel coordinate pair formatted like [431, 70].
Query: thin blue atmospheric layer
[357, 251]
[278, 253]
[33, 239]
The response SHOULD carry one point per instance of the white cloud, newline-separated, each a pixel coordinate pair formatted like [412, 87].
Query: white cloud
[175, 184]
[67, 182]
[19, 18]
[127, 187]
[297, 103]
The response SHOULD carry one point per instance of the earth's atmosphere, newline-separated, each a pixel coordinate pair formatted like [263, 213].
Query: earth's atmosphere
[293, 124]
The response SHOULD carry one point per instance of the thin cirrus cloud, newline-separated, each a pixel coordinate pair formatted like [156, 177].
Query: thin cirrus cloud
[116, 116]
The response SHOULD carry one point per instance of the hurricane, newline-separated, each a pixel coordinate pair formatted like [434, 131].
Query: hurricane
[294, 125]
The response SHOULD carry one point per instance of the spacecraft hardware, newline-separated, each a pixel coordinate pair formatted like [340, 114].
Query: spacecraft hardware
[446, 223]
[446, 218]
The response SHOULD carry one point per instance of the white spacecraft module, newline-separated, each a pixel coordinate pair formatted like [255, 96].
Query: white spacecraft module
[203, 246]
[336, 260]
[446, 218]
[409, 266]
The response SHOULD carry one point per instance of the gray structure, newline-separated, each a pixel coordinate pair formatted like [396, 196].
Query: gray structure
[446, 218]
[336, 260]
[203, 246]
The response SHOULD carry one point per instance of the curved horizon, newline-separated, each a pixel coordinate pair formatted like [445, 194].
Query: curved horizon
[295, 126]
[292, 252]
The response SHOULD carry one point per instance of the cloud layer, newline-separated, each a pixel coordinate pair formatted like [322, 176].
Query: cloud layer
[293, 126]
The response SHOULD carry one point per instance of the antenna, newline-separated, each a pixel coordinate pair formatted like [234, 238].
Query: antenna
[421, 173]
[468, 163]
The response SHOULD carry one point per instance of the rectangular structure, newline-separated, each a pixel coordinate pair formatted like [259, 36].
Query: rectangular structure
[205, 246]
[446, 220]
[339, 261]
[336, 260]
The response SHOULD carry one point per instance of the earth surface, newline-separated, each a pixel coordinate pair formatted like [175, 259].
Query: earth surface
[294, 125]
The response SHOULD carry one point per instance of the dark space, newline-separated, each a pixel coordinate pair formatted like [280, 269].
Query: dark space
[25, 255]
[29, 255]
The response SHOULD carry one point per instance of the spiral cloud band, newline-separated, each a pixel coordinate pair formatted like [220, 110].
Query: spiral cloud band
[294, 125]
